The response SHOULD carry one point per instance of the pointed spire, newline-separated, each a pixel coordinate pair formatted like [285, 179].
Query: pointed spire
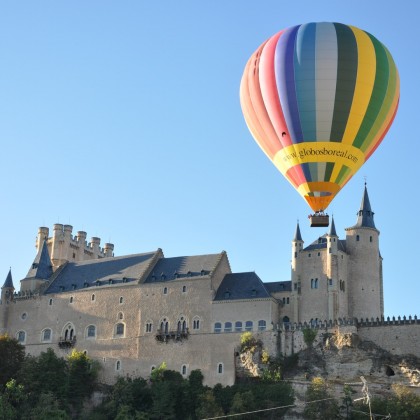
[332, 231]
[41, 267]
[9, 282]
[298, 236]
[365, 214]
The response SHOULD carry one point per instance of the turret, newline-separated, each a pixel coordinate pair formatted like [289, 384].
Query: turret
[297, 246]
[7, 289]
[365, 264]
[42, 236]
[108, 250]
[40, 271]
[94, 244]
[332, 239]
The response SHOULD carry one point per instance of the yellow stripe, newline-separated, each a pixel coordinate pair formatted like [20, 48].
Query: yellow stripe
[366, 72]
[296, 154]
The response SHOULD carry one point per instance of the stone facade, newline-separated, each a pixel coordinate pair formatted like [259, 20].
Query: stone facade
[131, 313]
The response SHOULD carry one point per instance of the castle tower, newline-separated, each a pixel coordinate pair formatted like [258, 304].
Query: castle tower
[297, 247]
[365, 285]
[7, 291]
[41, 270]
[332, 272]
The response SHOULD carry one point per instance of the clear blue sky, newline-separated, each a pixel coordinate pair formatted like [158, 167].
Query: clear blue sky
[122, 118]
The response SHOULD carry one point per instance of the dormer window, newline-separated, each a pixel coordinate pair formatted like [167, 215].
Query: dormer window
[253, 292]
[227, 294]
[34, 265]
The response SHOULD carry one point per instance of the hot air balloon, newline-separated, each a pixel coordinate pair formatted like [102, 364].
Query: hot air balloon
[319, 98]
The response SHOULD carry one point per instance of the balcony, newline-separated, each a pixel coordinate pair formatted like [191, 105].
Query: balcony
[66, 343]
[177, 335]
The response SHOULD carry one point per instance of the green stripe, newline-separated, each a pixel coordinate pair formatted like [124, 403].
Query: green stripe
[344, 171]
[328, 171]
[347, 62]
[378, 94]
[382, 119]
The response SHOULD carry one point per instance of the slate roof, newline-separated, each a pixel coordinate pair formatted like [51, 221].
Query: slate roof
[321, 243]
[332, 231]
[41, 267]
[278, 286]
[241, 286]
[8, 282]
[298, 236]
[365, 214]
[100, 272]
[167, 269]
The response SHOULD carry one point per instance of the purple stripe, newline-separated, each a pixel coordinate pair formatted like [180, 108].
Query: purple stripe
[285, 78]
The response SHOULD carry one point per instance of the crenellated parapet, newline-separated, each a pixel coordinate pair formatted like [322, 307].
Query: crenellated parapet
[63, 246]
[357, 322]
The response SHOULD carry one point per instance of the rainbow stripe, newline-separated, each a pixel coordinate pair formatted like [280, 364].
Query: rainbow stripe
[312, 85]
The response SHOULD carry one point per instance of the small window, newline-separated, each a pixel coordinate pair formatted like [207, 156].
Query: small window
[238, 326]
[165, 290]
[24, 316]
[184, 289]
[218, 327]
[287, 300]
[220, 368]
[357, 238]
[184, 370]
[262, 325]
[50, 302]
[196, 323]
[319, 254]
[249, 326]
[91, 331]
[330, 282]
[93, 298]
[149, 326]
[120, 315]
[74, 255]
[284, 300]
[71, 299]
[121, 300]
[316, 283]
[370, 239]
[309, 255]
[119, 329]
[164, 326]
[152, 368]
[228, 327]
[21, 337]
[118, 366]
[46, 335]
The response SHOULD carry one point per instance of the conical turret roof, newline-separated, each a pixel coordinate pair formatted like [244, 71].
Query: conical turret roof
[365, 214]
[298, 236]
[9, 282]
[332, 231]
[41, 267]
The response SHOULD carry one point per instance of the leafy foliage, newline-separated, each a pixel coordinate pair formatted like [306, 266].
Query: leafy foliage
[309, 335]
[12, 355]
[320, 404]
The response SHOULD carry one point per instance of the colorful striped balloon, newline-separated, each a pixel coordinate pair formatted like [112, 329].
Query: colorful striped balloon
[318, 99]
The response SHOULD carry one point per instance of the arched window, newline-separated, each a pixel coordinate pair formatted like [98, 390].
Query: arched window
[357, 238]
[238, 326]
[249, 326]
[118, 365]
[120, 315]
[218, 327]
[316, 283]
[312, 284]
[165, 290]
[93, 297]
[228, 327]
[121, 300]
[220, 368]
[91, 331]
[71, 299]
[46, 335]
[164, 326]
[184, 370]
[68, 332]
[196, 323]
[262, 325]
[184, 289]
[119, 329]
[149, 326]
[182, 324]
[21, 337]
[50, 302]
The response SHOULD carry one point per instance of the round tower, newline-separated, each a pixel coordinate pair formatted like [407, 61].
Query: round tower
[364, 265]
[42, 236]
[57, 245]
[109, 250]
[297, 247]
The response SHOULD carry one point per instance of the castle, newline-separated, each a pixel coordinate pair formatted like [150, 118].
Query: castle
[133, 312]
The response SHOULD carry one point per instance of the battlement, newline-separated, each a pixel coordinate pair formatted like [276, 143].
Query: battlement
[63, 246]
[358, 323]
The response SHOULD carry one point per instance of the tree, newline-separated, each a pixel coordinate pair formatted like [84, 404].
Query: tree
[243, 403]
[12, 355]
[319, 403]
[207, 406]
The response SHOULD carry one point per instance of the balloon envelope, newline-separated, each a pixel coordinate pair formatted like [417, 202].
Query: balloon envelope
[319, 98]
